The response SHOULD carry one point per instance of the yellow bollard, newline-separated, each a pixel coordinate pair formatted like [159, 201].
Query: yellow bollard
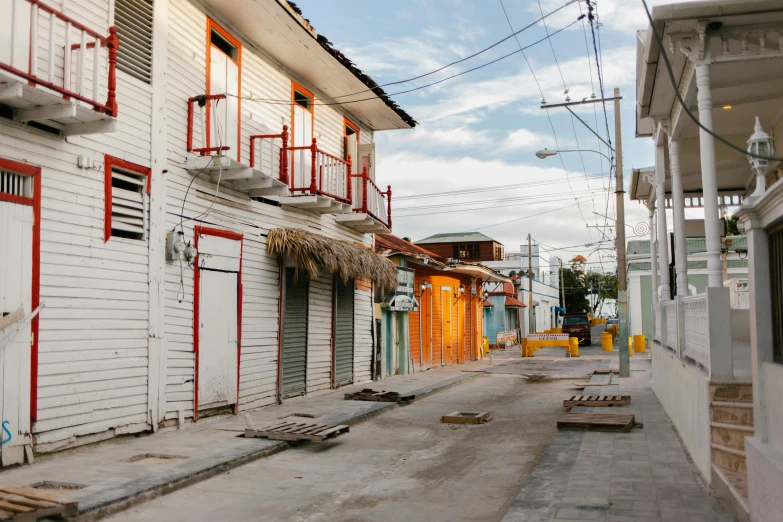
[606, 342]
[639, 344]
[524, 347]
[557, 330]
[630, 346]
[574, 348]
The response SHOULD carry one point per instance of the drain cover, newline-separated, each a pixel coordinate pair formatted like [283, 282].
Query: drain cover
[467, 417]
[54, 485]
[154, 458]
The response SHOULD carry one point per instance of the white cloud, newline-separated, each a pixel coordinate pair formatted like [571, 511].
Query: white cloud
[522, 139]
[461, 136]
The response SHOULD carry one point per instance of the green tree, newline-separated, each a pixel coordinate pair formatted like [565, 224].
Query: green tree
[575, 287]
[603, 287]
[731, 226]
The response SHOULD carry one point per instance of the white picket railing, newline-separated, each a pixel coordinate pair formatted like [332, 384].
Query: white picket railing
[697, 341]
[671, 324]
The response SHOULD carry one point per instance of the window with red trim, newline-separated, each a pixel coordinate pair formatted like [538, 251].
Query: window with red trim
[126, 206]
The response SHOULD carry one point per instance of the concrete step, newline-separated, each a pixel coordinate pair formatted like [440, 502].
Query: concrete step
[731, 390]
[732, 488]
[728, 457]
[730, 435]
[732, 412]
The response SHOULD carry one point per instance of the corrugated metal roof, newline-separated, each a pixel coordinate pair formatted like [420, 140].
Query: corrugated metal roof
[453, 237]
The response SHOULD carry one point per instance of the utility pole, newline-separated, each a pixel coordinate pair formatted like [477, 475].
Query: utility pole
[622, 288]
[530, 327]
[562, 286]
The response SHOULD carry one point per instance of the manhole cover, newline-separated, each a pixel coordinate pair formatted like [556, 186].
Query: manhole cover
[467, 417]
[54, 485]
[154, 458]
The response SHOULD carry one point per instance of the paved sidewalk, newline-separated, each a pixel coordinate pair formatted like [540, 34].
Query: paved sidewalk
[616, 477]
[115, 477]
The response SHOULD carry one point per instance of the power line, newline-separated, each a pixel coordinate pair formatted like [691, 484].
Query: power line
[492, 188]
[490, 207]
[524, 217]
[496, 200]
[272, 101]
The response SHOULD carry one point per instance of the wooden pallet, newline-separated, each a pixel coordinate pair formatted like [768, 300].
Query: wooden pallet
[368, 394]
[597, 400]
[28, 505]
[297, 431]
[596, 422]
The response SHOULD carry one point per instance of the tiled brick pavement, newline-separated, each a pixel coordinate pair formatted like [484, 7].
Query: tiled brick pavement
[616, 477]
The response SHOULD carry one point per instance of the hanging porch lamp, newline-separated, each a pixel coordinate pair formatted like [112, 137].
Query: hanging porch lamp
[760, 144]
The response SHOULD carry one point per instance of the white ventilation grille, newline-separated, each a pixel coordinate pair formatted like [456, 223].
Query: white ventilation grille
[133, 19]
[16, 184]
[128, 204]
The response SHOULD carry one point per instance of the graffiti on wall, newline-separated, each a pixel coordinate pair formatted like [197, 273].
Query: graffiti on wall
[6, 433]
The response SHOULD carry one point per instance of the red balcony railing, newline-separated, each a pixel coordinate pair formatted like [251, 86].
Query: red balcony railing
[370, 200]
[44, 52]
[265, 160]
[202, 101]
[314, 171]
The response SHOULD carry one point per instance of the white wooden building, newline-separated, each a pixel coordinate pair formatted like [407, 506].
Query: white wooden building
[124, 123]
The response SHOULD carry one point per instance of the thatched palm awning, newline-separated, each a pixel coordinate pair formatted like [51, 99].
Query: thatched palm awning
[313, 253]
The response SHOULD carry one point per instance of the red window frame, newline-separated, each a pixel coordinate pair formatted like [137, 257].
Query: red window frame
[35, 202]
[211, 24]
[108, 163]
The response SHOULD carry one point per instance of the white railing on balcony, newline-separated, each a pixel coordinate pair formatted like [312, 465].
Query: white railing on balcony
[671, 324]
[369, 199]
[316, 172]
[697, 340]
[49, 49]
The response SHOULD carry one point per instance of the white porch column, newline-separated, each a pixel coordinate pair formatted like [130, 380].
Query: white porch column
[653, 270]
[660, 203]
[678, 211]
[708, 172]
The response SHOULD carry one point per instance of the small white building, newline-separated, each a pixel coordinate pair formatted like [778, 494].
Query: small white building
[148, 150]
[546, 285]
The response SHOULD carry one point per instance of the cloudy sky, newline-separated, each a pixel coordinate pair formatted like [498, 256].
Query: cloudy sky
[479, 133]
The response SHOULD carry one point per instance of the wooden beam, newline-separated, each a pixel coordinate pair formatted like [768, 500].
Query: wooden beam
[46, 112]
[90, 127]
[11, 91]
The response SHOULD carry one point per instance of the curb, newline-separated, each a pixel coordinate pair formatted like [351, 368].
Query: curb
[143, 490]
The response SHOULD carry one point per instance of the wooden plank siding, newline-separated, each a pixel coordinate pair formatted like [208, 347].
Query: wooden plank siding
[95, 329]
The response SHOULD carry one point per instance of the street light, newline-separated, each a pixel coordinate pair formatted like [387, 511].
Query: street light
[760, 144]
[545, 153]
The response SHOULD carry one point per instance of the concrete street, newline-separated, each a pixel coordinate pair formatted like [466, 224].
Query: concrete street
[402, 465]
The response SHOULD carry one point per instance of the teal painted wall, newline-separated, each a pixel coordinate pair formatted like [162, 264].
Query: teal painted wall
[494, 318]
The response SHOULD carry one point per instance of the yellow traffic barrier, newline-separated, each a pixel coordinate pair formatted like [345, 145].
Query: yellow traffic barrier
[630, 346]
[639, 344]
[573, 346]
[606, 342]
[557, 330]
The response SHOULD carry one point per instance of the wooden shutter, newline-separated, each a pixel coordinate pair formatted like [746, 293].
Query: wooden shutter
[128, 205]
[133, 19]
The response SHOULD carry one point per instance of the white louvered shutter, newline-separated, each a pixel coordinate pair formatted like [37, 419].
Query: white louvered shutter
[133, 19]
[16, 184]
[128, 205]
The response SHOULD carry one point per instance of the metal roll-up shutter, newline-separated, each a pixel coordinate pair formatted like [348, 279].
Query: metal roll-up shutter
[343, 332]
[295, 335]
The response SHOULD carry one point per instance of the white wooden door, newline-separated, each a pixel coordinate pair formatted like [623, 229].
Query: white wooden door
[303, 137]
[218, 344]
[224, 114]
[16, 253]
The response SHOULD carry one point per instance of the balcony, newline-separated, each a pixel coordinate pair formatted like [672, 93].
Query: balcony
[265, 175]
[371, 206]
[319, 181]
[57, 72]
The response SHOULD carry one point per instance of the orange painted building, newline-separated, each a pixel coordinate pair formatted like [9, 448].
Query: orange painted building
[446, 329]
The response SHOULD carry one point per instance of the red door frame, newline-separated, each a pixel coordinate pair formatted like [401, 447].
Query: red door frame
[35, 202]
[227, 234]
